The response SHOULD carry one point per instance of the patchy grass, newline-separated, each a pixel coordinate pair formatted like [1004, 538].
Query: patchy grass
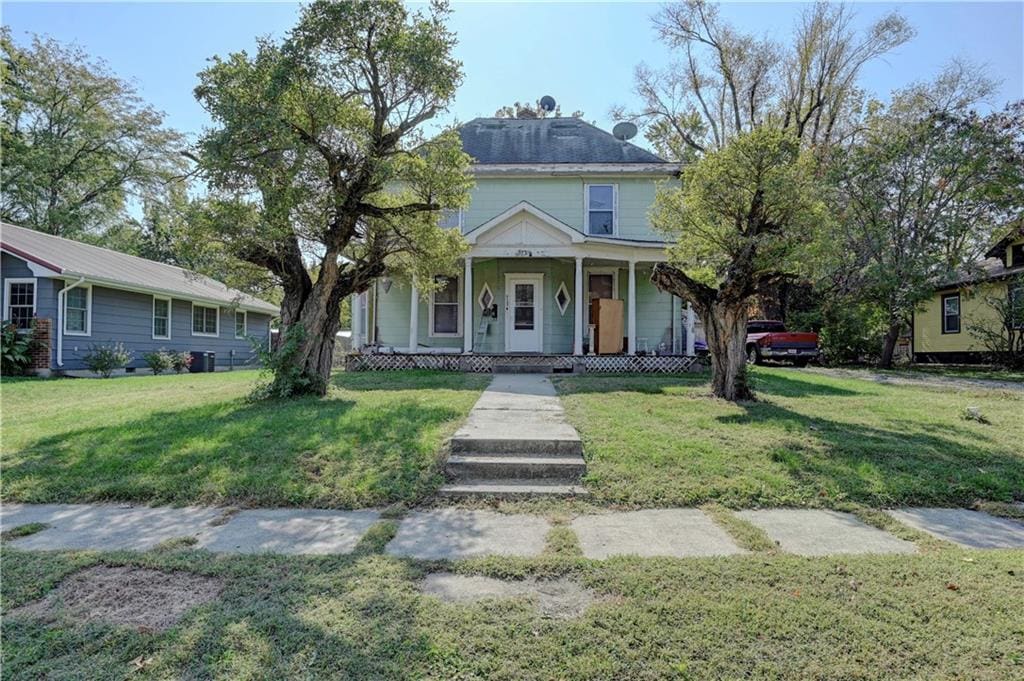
[809, 440]
[948, 615]
[959, 371]
[374, 439]
[22, 531]
[746, 534]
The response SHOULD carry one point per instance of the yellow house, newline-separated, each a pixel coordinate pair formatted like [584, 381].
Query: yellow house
[942, 325]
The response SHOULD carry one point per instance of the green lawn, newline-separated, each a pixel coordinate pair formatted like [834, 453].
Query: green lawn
[809, 440]
[193, 438]
[950, 614]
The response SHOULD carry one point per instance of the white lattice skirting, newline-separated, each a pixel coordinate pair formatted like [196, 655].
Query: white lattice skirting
[617, 364]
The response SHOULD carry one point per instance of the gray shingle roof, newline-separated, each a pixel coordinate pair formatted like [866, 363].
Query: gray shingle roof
[76, 259]
[546, 140]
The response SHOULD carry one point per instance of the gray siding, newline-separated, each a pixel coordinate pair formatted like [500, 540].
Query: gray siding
[13, 267]
[127, 317]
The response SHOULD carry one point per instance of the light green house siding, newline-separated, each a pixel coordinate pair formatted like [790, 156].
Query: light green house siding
[655, 309]
[562, 198]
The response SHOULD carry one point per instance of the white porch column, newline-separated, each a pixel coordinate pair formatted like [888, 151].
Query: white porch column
[467, 305]
[578, 311]
[356, 312]
[631, 313]
[690, 321]
[414, 318]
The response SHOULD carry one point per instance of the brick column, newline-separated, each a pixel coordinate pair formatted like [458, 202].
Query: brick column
[40, 350]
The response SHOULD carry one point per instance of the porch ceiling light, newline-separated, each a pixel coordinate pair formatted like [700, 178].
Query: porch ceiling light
[562, 298]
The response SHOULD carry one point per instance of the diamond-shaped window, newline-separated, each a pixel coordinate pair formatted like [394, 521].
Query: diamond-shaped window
[486, 298]
[562, 298]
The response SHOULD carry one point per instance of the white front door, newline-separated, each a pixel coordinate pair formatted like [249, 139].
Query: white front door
[524, 312]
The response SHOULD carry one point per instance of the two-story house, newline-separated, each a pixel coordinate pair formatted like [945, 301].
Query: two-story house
[558, 217]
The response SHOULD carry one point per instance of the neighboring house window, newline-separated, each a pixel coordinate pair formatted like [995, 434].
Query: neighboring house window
[450, 218]
[162, 318]
[951, 313]
[1016, 255]
[205, 320]
[77, 311]
[21, 302]
[1016, 296]
[444, 307]
[239, 324]
[601, 204]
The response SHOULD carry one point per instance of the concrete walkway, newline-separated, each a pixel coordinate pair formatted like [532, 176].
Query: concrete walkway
[454, 533]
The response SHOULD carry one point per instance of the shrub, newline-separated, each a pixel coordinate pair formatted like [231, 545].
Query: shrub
[15, 349]
[1001, 331]
[159, 361]
[181, 361]
[105, 359]
[287, 378]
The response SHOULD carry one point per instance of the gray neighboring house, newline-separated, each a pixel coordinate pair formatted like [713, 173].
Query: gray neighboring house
[81, 295]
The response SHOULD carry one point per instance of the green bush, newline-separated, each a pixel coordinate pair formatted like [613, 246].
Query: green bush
[848, 332]
[287, 378]
[159, 361]
[105, 359]
[16, 350]
[181, 361]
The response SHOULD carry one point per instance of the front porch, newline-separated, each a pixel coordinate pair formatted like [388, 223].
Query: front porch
[526, 287]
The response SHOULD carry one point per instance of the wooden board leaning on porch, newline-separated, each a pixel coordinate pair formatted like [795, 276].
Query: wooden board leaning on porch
[606, 314]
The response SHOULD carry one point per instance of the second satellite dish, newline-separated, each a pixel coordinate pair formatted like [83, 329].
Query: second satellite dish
[624, 131]
[547, 102]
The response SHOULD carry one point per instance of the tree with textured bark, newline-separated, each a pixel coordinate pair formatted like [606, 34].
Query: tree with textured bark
[741, 221]
[322, 135]
[726, 96]
[919, 198]
[78, 142]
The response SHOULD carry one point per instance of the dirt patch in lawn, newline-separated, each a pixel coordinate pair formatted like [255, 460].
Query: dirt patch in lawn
[554, 598]
[147, 600]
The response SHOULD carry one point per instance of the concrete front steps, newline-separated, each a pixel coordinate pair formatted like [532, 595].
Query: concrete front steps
[516, 443]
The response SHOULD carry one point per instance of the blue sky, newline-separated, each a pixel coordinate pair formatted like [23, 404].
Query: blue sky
[581, 53]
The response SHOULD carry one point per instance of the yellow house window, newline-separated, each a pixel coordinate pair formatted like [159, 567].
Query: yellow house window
[951, 313]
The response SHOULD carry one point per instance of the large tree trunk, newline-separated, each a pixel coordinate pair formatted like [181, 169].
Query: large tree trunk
[725, 326]
[889, 345]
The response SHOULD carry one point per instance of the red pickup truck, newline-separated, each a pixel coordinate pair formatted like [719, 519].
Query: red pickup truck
[768, 339]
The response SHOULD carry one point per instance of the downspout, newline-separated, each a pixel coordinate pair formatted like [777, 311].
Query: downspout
[61, 295]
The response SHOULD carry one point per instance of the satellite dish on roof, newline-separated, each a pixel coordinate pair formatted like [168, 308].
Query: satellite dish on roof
[624, 131]
[547, 102]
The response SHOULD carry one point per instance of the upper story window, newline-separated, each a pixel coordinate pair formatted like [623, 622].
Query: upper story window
[20, 302]
[1016, 255]
[205, 320]
[161, 318]
[445, 314]
[450, 218]
[77, 311]
[601, 209]
[951, 313]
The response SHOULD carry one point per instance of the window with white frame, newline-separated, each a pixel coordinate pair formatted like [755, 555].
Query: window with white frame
[450, 218]
[951, 313]
[562, 298]
[77, 304]
[239, 324]
[162, 318]
[445, 317]
[20, 299]
[205, 320]
[601, 204]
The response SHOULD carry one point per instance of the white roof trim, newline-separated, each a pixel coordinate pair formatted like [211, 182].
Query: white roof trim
[167, 293]
[575, 236]
[575, 168]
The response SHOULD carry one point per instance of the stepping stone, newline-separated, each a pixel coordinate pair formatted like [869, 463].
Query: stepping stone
[556, 598]
[972, 529]
[454, 533]
[290, 531]
[662, 532]
[108, 527]
[822, 533]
